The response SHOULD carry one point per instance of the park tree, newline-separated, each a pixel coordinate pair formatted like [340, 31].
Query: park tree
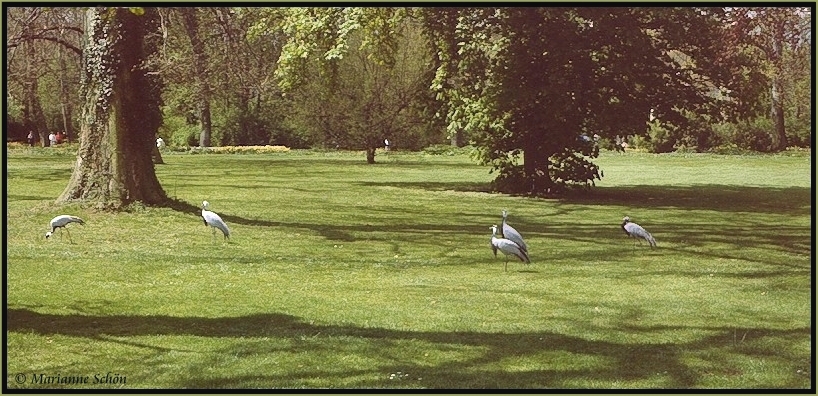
[121, 113]
[229, 68]
[362, 102]
[358, 73]
[526, 83]
[190, 20]
[773, 37]
[42, 57]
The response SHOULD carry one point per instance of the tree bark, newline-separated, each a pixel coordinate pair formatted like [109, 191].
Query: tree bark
[370, 155]
[157, 155]
[779, 134]
[121, 114]
[65, 101]
[200, 73]
[457, 139]
[33, 109]
[535, 166]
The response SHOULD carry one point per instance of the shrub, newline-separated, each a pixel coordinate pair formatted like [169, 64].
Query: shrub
[176, 131]
[755, 134]
[239, 150]
[660, 138]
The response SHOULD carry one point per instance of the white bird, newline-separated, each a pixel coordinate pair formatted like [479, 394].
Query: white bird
[213, 220]
[60, 222]
[510, 233]
[636, 231]
[508, 247]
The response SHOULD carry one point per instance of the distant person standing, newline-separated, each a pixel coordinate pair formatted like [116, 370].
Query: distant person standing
[386, 144]
[31, 138]
[52, 139]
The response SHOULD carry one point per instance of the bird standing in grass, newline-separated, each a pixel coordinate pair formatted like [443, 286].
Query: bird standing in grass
[510, 233]
[60, 222]
[636, 231]
[508, 247]
[213, 220]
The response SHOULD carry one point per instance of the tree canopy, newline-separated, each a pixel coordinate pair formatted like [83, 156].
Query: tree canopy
[524, 83]
[526, 86]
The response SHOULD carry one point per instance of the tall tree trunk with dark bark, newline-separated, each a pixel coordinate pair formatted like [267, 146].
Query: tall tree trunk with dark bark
[121, 114]
[535, 166]
[779, 134]
[191, 23]
[65, 101]
[33, 110]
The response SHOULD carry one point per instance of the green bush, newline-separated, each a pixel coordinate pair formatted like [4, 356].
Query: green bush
[175, 131]
[660, 138]
[799, 131]
[729, 149]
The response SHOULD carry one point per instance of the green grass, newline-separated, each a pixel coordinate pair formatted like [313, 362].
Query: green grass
[346, 275]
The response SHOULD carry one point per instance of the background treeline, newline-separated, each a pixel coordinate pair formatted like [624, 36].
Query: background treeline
[220, 86]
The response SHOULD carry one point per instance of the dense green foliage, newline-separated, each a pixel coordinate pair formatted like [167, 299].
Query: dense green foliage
[522, 94]
[344, 275]
[500, 79]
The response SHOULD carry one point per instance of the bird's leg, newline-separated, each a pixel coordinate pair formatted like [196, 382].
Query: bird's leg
[69, 235]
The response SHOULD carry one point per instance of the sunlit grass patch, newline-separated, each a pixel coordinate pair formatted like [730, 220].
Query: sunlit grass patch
[341, 274]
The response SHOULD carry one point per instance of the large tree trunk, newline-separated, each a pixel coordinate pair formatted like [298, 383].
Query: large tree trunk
[65, 100]
[370, 155]
[779, 135]
[535, 166]
[457, 139]
[200, 72]
[121, 112]
[33, 115]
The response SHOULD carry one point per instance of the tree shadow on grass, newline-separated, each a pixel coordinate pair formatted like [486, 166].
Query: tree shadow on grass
[744, 236]
[435, 186]
[715, 197]
[620, 361]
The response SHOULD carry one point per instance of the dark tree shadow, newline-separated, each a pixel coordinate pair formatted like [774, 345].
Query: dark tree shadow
[742, 233]
[435, 186]
[716, 197]
[624, 361]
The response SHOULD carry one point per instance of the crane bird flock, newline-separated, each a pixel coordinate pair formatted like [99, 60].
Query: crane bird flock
[510, 244]
[636, 231]
[213, 220]
[508, 247]
[60, 222]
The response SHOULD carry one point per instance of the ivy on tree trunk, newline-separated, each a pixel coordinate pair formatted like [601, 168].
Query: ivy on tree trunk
[121, 114]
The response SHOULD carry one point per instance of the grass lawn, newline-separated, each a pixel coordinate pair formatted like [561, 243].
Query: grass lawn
[341, 274]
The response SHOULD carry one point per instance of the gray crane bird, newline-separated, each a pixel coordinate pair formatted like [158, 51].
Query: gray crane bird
[510, 233]
[60, 222]
[213, 220]
[508, 247]
[636, 231]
